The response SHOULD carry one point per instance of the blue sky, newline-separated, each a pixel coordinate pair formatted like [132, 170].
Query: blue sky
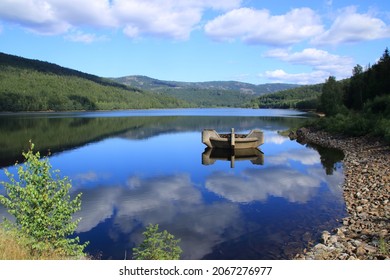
[252, 41]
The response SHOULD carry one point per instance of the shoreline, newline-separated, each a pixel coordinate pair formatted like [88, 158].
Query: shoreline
[365, 233]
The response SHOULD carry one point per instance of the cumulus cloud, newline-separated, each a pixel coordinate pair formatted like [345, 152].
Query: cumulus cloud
[35, 15]
[281, 76]
[165, 18]
[260, 27]
[324, 64]
[309, 56]
[351, 27]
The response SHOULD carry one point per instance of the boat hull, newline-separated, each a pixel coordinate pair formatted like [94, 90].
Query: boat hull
[232, 141]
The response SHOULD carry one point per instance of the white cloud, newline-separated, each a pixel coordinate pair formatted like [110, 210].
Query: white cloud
[260, 27]
[165, 18]
[351, 27]
[280, 76]
[52, 17]
[324, 64]
[35, 15]
[87, 38]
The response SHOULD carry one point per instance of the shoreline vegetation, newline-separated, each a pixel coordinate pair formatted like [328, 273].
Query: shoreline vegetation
[364, 234]
[39, 201]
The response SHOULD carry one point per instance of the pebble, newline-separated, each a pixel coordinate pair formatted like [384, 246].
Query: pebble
[364, 234]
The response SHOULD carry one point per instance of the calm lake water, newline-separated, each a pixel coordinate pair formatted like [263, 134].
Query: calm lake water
[149, 166]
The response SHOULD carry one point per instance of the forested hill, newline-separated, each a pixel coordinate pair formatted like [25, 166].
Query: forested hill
[144, 82]
[303, 97]
[205, 94]
[33, 85]
[51, 68]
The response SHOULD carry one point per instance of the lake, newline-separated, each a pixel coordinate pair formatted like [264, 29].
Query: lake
[143, 167]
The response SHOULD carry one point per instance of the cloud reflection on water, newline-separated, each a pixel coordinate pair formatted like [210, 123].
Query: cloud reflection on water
[277, 179]
[171, 201]
[258, 185]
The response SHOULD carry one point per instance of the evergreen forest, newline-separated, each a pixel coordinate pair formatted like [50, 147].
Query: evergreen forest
[33, 85]
[303, 98]
[359, 105]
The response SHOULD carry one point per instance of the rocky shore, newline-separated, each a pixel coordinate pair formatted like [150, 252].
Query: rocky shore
[365, 232]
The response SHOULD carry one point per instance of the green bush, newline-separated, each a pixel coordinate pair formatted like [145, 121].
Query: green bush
[157, 246]
[379, 106]
[42, 206]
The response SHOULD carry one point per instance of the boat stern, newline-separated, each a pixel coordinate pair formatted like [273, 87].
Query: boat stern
[257, 133]
[207, 134]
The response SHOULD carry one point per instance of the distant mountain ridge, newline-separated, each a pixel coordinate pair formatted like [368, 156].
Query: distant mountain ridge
[147, 83]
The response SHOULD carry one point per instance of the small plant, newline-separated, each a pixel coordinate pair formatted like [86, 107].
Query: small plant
[42, 207]
[384, 247]
[157, 246]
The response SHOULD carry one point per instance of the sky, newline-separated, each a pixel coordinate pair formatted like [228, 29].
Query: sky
[254, 41]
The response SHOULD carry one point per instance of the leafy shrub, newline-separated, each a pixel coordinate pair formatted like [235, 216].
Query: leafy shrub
[157, 246]
[42, 207]
[380, 105]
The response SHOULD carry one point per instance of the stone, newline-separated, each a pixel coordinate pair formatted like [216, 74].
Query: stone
[320, 247]
[370, 249]
[292, 135]
[325, 236]
[383, 233]
[360, 251]
[333, 239]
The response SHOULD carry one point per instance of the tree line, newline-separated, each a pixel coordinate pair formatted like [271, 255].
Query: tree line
[303, 98]
[361, 104]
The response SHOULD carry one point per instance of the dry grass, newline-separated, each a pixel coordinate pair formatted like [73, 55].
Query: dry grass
[10, 249]
[13, 248]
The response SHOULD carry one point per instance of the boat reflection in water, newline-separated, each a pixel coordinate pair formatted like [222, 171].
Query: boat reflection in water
[211, 155]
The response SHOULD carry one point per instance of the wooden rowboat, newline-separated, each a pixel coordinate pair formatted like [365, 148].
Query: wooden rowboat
[232, 140]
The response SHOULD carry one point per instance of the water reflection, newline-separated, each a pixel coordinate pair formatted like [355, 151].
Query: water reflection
[211, 155]
[139, 169]
[171, 201]
[57, 132]
[257, 185]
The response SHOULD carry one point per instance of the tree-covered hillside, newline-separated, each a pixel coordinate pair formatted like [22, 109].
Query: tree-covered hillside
[33, 85]
[205, 94]
[304, 97]
[144, 82]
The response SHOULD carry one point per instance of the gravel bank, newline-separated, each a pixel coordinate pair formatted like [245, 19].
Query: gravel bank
[365, 233]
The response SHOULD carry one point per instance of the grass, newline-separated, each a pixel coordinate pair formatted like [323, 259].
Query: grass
[14, 248]
[384, 247]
